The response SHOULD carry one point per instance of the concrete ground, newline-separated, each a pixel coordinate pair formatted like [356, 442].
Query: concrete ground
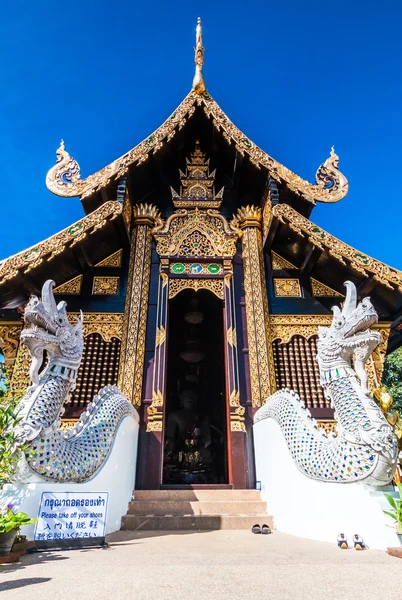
[202, 566]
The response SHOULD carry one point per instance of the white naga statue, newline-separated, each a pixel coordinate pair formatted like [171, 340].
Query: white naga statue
[365, 449]
[77, 454]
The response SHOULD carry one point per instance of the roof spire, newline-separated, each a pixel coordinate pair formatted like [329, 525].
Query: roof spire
[198, 81]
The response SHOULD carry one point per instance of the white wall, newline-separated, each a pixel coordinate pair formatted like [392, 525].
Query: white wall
[314, 509]
[117, 477]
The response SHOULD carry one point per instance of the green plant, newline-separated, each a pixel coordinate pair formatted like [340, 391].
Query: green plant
[9, 454]
[392, 377]
[396, 505]
[10, 520]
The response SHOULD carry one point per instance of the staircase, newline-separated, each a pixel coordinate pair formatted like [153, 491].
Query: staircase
[172, 510]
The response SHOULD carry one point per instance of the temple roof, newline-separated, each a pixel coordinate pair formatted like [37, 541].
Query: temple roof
[245, 172]
[64, 178]
[344, 254]
[63, 255]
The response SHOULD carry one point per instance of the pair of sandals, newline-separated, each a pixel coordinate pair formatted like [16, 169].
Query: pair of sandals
[261, 529]
[357, 542]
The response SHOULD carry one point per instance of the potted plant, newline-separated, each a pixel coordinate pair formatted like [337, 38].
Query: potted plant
[10, 523]
[20, 544]
[396, 512]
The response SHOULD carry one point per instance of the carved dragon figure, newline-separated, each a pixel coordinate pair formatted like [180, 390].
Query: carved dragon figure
[365, 449]
[328, 177]
[74, 455]
[66, 171]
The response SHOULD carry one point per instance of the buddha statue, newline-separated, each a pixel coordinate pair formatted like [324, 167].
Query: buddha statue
[188, 438]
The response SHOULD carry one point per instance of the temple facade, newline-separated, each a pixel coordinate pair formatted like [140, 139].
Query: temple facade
[203, 282]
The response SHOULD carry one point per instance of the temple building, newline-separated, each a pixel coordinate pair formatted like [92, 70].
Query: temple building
[203, 280]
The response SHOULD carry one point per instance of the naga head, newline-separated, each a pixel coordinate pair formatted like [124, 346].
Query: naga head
[349, 334]
[48, 329]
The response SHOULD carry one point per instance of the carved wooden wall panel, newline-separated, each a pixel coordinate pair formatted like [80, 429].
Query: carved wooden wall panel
[99, 367]
[297, 369]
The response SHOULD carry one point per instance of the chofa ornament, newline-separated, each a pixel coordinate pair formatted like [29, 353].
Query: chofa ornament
[74, 455]
[66, 171]
[366, 448]
[328, 177]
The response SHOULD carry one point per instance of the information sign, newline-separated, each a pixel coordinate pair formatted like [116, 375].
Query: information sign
[71, 516]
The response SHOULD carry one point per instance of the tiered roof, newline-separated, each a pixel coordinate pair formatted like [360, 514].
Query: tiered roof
[64, 178]
[297, 240]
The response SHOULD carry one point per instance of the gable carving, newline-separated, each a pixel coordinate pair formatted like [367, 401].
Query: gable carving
[196, 233]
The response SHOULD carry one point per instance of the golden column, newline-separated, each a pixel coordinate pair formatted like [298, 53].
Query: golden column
[262, 375]
[136, 309]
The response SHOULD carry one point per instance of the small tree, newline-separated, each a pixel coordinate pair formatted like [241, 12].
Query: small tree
[392, 377]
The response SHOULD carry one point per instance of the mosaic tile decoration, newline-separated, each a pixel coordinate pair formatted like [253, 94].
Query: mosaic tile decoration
[196, 268]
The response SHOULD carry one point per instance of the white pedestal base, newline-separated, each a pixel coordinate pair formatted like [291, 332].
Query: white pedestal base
[117, 477]
[313, 509]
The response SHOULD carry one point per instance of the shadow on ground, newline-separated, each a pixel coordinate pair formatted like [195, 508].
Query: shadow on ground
[19, 583]
[32, 558]
[132, 537]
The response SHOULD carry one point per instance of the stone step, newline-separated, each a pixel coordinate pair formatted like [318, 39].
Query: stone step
[207, 507]
[192, 495]
[193, 522]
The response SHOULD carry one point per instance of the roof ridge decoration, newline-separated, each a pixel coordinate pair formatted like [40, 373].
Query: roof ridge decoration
[199, 82]
[197, 184]
[32, 257]
[63, 179]
[339, 250]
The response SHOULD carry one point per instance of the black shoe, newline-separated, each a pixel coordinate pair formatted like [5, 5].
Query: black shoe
[266, 529]
[256, 529]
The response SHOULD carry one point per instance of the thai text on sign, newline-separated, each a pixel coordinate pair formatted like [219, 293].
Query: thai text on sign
[71, 515]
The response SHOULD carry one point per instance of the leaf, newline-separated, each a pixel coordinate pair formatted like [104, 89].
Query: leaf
[21, 515]
[391, 514]
[392, 377]
[391, 500]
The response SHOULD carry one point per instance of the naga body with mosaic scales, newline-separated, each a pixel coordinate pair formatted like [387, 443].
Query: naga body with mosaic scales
[54, 454]
[365, 449]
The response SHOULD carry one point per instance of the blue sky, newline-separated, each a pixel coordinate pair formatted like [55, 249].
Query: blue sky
[295, 77]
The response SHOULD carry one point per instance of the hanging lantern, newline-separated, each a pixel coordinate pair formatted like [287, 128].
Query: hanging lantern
[192, 352]
[194, 317]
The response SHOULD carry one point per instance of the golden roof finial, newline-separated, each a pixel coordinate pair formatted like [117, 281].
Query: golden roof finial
[198, 81]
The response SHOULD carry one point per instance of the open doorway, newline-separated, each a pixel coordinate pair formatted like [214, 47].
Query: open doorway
[195, 445]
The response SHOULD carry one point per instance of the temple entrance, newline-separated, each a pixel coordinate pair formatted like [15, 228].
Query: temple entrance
[195, 444]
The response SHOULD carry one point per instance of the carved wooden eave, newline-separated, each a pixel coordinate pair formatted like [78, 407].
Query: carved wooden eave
[29, 259]
[343, 253]
[63, 179]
